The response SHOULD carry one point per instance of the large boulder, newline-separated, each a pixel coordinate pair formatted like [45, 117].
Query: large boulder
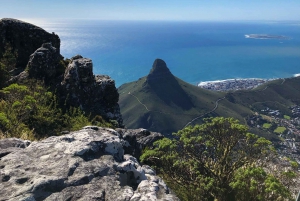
[85, 165]
[24, 38]
[94, 94]
[43, 63]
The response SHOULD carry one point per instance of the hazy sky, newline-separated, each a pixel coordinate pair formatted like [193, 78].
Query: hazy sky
[215, 10]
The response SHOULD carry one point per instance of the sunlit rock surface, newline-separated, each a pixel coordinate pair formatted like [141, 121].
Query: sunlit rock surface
[89, 164]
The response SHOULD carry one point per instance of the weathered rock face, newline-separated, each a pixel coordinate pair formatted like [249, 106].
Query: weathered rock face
[85, 165]
[11, 145]
[43, 63]
[138, 140]
[24, 38]
[94, 94]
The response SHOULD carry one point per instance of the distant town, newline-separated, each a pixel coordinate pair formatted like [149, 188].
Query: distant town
[286, 127]
[233, 84]
[269, 120]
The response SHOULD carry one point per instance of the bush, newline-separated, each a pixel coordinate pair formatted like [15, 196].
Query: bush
[30, 111]
[214, 159]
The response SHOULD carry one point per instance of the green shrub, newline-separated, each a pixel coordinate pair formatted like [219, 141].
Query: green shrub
[218, 160]
[31, 111]
[267, 125]
[280, 130]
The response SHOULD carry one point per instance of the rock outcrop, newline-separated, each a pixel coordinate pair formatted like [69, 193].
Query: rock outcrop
[10, 145]
[75, 85]
[89, 164]
[43, 63]
[94, 94]
[24, 38]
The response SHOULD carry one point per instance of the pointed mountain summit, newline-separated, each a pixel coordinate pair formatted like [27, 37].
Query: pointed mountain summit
[159, 71]
[164, 85]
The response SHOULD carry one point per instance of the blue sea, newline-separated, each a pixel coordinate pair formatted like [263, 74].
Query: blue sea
[193, 51]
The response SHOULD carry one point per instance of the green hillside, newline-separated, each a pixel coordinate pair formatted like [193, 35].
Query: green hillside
[164, 103]
[279, 95]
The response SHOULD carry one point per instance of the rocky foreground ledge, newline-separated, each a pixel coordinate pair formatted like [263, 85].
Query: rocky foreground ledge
[90, 164]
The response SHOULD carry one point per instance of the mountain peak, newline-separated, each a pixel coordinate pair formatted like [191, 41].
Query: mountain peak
[159, 70]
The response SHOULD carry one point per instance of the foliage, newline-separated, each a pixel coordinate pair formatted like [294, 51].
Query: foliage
[9, 58]
[287, 117]
[7, 63]
[32, 112]
[75, 119]
[280, 129]
[212, 158]
[267, 125]
[253, 183]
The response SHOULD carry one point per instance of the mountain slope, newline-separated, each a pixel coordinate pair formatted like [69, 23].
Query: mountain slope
[279, 95]
[164, 103]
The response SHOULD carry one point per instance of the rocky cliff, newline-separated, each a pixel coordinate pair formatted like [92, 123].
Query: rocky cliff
[24, 39]
[74, 84]
[94, 94]
[90, 164]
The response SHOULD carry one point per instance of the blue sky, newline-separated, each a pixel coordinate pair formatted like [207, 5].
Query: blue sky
[215, 10]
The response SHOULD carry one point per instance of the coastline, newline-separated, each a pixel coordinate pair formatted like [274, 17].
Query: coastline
[235, 84]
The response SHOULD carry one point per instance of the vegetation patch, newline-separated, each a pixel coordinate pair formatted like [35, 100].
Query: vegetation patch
[287, 117]
[280, 129]
[267, 125]
[30, 111]
[218, 160]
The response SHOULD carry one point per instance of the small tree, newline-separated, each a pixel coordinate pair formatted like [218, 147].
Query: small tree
[206, 158]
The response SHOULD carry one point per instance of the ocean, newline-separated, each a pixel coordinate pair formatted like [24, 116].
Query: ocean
[193, 51]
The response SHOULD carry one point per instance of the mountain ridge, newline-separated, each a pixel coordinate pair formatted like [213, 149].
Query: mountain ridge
[178, 99]
[153, 108]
